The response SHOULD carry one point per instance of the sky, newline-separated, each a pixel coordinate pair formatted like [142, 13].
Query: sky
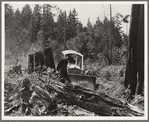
[87, 10]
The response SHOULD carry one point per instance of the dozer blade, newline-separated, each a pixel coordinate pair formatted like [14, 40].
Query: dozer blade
[83, 80]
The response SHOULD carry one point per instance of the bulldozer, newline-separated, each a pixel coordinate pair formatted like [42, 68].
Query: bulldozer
[75, 71]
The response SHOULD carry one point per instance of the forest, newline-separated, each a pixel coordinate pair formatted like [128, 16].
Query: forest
[103, 44]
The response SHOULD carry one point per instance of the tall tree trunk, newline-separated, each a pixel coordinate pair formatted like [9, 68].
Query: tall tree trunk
[135, 65]
[140, 53]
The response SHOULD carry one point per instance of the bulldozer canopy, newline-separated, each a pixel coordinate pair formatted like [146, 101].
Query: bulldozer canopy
[65, 52]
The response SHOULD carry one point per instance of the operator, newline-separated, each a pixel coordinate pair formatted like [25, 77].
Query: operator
[62, 68]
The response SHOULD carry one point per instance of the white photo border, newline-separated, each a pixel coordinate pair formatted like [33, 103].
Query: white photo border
[145, 117]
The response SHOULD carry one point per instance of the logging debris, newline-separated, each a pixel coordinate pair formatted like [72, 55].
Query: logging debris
[57, 99]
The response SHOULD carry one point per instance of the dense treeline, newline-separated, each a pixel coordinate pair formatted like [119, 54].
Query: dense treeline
[103, 41]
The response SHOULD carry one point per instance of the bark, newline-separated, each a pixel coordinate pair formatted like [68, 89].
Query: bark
[135, 63]
[32, 100]
[29, 101]
[99, 103]
[140, 53]
[49, 60]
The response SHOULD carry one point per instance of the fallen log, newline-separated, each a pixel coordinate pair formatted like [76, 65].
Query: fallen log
[93, 101]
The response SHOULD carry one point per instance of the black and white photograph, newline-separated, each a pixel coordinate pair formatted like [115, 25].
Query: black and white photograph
[74, 60]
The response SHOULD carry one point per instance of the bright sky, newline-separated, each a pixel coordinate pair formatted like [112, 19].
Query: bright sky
[87, 9]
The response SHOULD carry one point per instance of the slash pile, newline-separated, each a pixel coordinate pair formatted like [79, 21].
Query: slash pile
[45, 96]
